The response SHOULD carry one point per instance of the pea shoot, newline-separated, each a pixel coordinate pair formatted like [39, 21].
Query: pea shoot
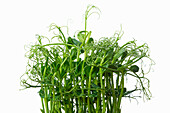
[94, 83]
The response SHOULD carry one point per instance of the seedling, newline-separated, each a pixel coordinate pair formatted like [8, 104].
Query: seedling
[80, 75]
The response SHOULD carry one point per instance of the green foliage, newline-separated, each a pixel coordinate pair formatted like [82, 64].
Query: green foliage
[94, 83]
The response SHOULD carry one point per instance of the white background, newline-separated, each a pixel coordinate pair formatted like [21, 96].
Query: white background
[145, 20]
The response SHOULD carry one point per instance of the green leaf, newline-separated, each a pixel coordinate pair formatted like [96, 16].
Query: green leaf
[134, 68]
[76, 42]
[109, 55]
[129, 92]
[70, 41]
[124, 55]
[81, 36]
[41, 93]
[74, 53]
[118, 54]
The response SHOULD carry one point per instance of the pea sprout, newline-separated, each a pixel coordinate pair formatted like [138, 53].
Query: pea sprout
[94, 83]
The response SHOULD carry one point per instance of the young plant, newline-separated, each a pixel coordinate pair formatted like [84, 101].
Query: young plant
[80, 75]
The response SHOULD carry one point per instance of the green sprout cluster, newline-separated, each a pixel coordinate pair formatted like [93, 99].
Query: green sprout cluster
[81, 75]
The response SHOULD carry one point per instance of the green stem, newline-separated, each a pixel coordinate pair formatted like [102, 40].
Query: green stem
[82, 83]
[45, 92]
[121, 94]
[107, 95]
[51, 101]
[102, 85]
[53, 105]
[65, 105]
[46, 100]
[42, 101]
[71, 79]
[60, 86]
[114, 97]
[98, 96]
[89, 84]
[77, 81]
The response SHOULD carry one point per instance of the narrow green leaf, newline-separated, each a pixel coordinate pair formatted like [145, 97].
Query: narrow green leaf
[118, 54]
[76, 42]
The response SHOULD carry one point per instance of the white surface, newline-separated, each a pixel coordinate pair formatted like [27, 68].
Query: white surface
[145, 20]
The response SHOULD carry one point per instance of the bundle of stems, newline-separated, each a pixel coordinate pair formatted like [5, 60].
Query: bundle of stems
[80, 75]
